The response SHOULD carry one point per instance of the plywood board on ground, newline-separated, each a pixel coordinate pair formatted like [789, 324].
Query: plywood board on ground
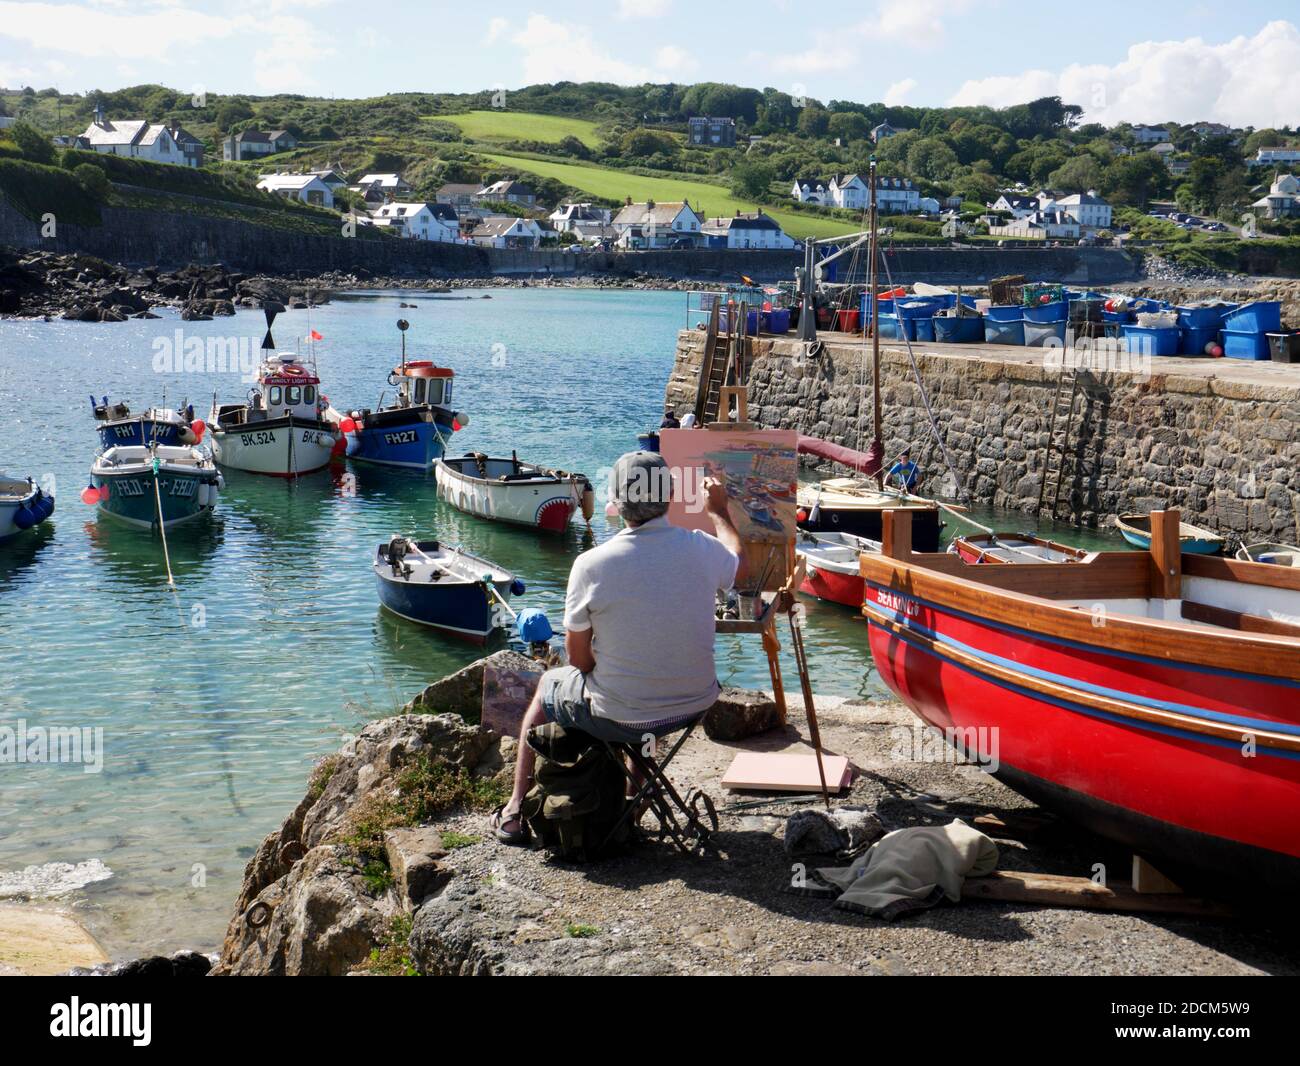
[782, 772]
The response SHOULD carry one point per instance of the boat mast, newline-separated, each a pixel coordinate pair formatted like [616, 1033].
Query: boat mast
[874, 306]
[403, 326]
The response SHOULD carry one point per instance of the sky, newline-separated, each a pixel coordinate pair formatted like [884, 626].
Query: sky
[1236, 63]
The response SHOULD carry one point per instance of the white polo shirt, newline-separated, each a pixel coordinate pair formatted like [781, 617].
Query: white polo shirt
[648, 593]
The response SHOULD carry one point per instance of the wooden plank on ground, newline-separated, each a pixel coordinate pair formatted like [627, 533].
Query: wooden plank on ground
[1055, 890]
[782, 772]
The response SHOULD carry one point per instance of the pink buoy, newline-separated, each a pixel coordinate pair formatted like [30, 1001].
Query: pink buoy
[198, 427]
[90, 495]
[347, 425]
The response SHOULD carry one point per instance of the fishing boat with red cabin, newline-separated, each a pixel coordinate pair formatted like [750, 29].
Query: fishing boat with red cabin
[414, 428]
[1152, 696]
[281, 429]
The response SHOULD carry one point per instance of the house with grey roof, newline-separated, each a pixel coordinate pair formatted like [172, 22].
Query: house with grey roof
[741, 230]
[255, 144]
[656, 225]
[136, 139]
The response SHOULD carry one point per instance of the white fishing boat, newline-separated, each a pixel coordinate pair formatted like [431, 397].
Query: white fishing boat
[510, 490]
[281, 429]
[831, 565]
[23, 504]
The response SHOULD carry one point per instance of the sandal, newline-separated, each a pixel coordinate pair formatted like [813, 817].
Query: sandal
[515, 838]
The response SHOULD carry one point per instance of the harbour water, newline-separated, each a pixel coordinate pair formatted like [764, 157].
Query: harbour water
[216, 698]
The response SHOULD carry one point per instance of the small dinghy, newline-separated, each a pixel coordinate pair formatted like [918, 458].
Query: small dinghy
[411, 431]
[158, 425]
[1013, 548]
[832, 570]
[444, 587]
[1276, 554]
[510, 490]
[1136, 529]
[149, 487]
[23, 505]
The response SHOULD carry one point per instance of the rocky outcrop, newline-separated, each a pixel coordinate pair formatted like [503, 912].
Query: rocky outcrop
[321, 891]
[462, 692]
[741, 713]
[181, 964]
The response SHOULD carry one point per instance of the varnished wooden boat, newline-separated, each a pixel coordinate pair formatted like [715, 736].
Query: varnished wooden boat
[1013, 548]
[1152, 696]
[1136, 529]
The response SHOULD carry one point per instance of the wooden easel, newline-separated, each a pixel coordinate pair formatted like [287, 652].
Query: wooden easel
[782, 582]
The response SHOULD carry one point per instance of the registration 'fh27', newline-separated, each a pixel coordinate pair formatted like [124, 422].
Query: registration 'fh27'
[280, 429]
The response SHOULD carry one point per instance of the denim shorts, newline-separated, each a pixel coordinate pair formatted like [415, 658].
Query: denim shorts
[563, 691]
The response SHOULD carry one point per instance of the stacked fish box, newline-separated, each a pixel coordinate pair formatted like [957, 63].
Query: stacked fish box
[1246, 329]
[1198, 327]
[1154, 333]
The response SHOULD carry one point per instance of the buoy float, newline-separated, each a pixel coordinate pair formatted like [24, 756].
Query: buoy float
[198, 427]
[25, 517]
[801, 515]
[339, 447]
[90, 495]
[347, 425]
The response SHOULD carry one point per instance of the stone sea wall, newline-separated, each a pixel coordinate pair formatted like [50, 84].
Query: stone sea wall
[1225, 449]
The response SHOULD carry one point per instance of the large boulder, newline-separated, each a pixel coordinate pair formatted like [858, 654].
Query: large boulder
[462, 692]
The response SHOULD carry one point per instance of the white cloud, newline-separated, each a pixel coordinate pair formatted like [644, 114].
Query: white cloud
[897, 93]
[497, 29]
[643, 9]
[672, 59]
[820, 59]
[1247, 81]
[920, 22]
[561, 51]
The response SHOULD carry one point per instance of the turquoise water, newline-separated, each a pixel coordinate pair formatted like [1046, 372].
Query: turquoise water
[216, 698]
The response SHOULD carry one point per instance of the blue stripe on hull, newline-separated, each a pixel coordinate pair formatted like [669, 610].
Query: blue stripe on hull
[412, 445]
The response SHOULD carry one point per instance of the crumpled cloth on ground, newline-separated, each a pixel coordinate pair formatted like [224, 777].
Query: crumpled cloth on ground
[912, 869]
[843, 832]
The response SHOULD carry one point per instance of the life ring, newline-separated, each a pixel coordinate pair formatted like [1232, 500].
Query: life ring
[292, 371]
[394, 378]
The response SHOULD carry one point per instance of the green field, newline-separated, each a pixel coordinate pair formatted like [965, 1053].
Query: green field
[710, 200]
[522, 126]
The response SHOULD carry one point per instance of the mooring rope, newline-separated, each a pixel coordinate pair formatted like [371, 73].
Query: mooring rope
[162, 525]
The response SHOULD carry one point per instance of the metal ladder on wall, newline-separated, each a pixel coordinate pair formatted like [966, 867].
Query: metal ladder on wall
[716, 369]
[1060, 427]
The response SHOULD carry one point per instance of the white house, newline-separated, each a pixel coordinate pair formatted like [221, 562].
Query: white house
[503, 231]
[507, 192]
[564, 217]
[419, 221]
[135, 139]
[1043, 225]
[849, 192]
[305, 187]
[254, 144]
[654, 225]
[1283, 199]
[897, 196]
[1150, 134]
[1275, 157]
[755, 230]
[1087, 209]
[879, 133]
[1164, 149]
[812, 191]
[390, 186]
[1018, 206]
[928, 205]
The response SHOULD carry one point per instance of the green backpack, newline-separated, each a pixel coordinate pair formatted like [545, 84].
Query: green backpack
[578, 794]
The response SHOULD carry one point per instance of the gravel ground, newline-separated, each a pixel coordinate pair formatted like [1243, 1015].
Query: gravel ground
[657, 911]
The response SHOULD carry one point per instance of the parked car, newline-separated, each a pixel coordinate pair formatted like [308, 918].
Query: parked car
[682, 242]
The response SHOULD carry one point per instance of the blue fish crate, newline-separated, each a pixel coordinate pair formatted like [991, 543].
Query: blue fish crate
[1262, 316]
[889, 327]
[886, 308]
[1055, 311]
[1041, 334]
[1193, 341]
[964, 329]
[918, 307]
[1116, 317]
[1004, 313]
[1151, 340]
[779, 320]
[1004, 331]
[1202, 317]
[924, 328]
[1245, 344]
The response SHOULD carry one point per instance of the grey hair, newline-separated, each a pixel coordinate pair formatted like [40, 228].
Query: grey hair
[639, 511]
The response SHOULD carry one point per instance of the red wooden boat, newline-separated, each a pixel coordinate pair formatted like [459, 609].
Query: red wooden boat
[1152, 696]
[831, 566]
[1013, 548]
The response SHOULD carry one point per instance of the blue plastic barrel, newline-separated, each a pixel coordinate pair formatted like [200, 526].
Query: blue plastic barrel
[924, 328]
[780, 320]
[1040, 334]
[1192, 341]
[1245, 344]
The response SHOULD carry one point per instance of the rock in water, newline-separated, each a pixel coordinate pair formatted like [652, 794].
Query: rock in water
[462, 692]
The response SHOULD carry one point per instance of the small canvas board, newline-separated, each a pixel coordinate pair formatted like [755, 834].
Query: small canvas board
[783, 772]
[506, 695]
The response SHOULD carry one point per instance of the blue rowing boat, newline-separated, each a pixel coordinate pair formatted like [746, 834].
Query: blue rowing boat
[1136, 529]
[444, 587]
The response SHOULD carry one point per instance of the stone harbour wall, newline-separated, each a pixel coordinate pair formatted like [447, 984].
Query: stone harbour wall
[1221, 442]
